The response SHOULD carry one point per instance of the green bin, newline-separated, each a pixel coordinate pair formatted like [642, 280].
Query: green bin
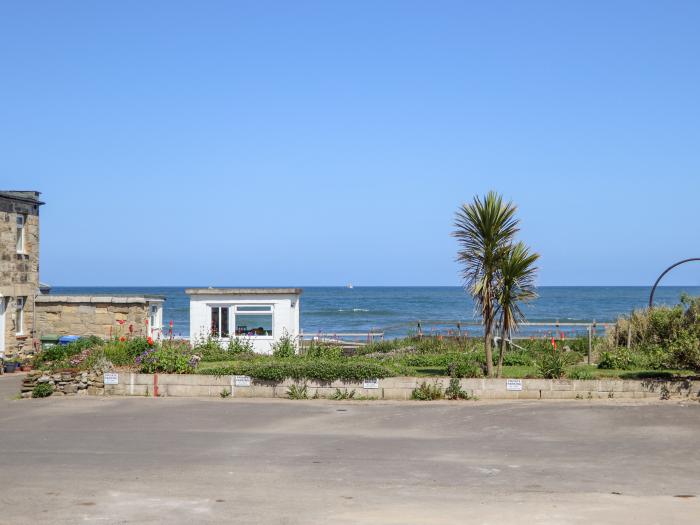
[48, 340]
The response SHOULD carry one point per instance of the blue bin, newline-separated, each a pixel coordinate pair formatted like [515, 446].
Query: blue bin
[65, 339]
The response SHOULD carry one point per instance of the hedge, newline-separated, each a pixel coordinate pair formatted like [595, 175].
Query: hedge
[298, 369]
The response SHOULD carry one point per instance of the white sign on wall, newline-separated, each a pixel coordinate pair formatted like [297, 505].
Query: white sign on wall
[514, 384]
[111, 378]
[241, 380]
[370, 383]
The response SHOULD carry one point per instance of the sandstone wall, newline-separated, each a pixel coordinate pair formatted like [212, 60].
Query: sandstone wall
[91, 315]
[19, 272]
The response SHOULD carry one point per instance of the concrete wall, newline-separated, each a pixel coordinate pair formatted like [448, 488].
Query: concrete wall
[19, 272]
[285, 316]
[400, 388]
[93, 315]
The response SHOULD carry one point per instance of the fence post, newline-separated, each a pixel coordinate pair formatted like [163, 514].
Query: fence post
[420, 331]
[459, 331]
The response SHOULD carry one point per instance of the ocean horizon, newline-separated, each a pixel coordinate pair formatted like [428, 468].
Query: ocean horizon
[395, 310]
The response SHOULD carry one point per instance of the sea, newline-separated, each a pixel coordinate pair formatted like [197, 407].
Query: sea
[396, 310]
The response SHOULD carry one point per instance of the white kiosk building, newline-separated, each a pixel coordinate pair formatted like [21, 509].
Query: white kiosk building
[262, 315]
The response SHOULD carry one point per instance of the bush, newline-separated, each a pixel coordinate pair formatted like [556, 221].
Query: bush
[285, 346]
[297, 392]
[300, 369]
[172, 357]
[465, 367]
[341, 395]
[123, 352]
[580, 372]
[427, 392]
[553, 364]
[210, 349]
[42, 390]
[62, 352]
[454, 391]
[323, 351]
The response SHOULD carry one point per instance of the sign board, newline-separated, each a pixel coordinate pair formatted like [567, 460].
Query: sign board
[370, 383]
[111, 378]
[241, 380]
[514, 384]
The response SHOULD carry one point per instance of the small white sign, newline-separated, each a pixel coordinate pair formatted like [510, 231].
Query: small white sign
[111, 378]
[241, 380]
[370, 383]
[514, 384]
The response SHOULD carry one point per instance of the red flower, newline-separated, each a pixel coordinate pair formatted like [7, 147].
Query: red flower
[131, 328]
[121, 321]
[146, 322]
[150, 341]
[122, 339]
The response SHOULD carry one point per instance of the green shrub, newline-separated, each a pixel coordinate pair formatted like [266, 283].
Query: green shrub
[580, 372]
[285, 346]
[301, 368]
[298, 392]
[454, 391]
[340, 395]
[553, 364]
[63, 352]
[323, 351]
[427, 392]
[465, 367]
[42, 390]
[171, 357]
[124, 352]
[516, 358]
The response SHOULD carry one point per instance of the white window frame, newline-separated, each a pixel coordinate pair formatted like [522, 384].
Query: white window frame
[21, 233]
[19, 315]
[262, 309]
[219, 306]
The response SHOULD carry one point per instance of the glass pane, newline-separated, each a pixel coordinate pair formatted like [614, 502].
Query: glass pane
[215, 322]
[254, 324]
[254, 308]
[224, 321]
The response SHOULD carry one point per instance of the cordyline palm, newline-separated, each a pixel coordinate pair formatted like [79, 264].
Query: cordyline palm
[516, 284]
[484, 229]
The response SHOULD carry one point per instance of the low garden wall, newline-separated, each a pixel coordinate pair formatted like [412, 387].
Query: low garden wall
[65, 383]
[398, 388]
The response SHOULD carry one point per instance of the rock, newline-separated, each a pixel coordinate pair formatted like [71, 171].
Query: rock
[82, 392]
[82, 386]
[43, 379]
[70, 389]
[26, 395]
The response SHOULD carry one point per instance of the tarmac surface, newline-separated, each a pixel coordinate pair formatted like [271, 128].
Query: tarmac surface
[175, 460]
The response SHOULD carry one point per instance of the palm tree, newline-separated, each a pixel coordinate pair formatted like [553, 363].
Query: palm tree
[484, 229]
[516, 284]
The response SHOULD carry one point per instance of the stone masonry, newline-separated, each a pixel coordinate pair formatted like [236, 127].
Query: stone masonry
[19, 269]
[85, 315]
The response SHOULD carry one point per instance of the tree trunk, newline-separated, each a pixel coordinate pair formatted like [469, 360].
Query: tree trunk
[500, 354]
[487, 345]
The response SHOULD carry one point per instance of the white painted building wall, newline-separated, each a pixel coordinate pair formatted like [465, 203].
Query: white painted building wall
[284, 306]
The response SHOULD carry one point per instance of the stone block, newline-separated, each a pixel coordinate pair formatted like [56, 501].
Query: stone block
[562, 384]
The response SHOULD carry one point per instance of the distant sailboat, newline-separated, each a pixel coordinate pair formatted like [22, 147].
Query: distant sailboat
[349, 285]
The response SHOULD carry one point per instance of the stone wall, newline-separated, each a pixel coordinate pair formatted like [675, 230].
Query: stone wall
[91, 315]
[19, 272]
[66, 383]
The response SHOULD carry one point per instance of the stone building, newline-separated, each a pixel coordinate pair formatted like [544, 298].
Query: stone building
[19, 269]
[26, 314]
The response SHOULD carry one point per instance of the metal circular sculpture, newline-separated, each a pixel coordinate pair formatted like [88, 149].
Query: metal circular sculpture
[653, 288]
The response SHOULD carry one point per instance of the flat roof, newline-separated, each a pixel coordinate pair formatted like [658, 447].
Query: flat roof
[243, 291]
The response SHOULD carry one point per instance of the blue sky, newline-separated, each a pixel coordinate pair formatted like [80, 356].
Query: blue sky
[320, 143]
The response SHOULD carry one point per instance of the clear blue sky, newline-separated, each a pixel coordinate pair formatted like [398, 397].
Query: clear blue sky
[314, 143]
